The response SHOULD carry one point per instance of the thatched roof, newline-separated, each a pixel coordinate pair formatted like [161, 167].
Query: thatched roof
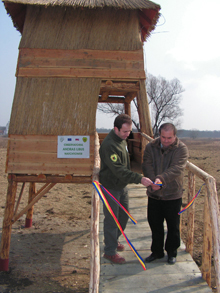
[148, 11]
[125, 4]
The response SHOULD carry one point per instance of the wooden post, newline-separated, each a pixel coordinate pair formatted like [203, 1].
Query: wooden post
[143, 110]
[29, 216]
[127, 107]
[215, 220]
[94, 243]
[207, 243]
[38, 196]
[191, 213]
[7, 224]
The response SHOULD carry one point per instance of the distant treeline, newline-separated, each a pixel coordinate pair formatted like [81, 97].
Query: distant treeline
[198, 134]
[181, 133]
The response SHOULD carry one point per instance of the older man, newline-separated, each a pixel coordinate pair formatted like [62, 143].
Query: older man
[164, 161]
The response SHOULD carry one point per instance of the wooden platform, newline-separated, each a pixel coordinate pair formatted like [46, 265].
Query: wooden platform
[159, 276]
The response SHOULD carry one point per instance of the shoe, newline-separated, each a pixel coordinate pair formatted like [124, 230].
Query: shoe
[152, 257]
[120, 247]
[117, 259]
[171, 260]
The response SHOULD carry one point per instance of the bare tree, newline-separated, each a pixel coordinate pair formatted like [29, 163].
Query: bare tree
[117, 109]
[164, 98]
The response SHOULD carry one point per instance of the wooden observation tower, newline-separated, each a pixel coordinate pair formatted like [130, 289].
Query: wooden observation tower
[72, 56]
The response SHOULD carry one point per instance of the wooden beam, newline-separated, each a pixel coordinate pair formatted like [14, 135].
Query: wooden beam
[80, 72]
[207, 243]
[130, 96]
[7, 226]
[38, 196]
[104, 96]
[19, 198]
[94, 247]
[127, 108]
[116, 100]
[31, 195]
[88, 54]
[51, 178]
[81, 63]
[120, 86]
[191, 214]
[215, 221]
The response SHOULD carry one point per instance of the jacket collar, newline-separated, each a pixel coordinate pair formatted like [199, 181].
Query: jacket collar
[115, 136]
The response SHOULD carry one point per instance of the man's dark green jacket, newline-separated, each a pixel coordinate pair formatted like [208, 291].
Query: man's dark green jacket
[115, 170]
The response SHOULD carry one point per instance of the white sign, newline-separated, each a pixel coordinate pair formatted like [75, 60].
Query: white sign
[77, 146]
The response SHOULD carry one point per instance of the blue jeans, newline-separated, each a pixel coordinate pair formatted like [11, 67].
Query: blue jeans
[111, 231]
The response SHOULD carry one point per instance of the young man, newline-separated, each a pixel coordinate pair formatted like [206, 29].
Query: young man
[164, 161]
[114, 175]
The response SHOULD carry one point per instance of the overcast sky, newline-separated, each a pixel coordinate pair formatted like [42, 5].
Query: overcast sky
[185, 45]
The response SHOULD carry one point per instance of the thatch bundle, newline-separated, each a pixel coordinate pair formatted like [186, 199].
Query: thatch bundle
[54, 106]
[61, 28]
[148, 11]
[131, 4]
[63, 104]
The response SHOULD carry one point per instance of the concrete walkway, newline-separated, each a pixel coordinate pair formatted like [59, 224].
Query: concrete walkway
[159, 276]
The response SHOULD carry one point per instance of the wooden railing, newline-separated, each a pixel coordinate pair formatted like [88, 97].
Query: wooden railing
[94, 237]
[211, 221]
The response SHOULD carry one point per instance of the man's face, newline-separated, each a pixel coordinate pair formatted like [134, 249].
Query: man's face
[167, 137]
[124, 132]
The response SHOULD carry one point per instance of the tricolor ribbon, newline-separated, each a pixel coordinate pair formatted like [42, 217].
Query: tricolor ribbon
[98, 187]
[191, 202]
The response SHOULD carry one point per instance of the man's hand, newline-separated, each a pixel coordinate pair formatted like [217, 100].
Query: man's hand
[155, 186]
[146, 181]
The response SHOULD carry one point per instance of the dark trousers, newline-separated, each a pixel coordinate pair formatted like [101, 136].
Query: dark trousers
[111, 231]
[158, 211]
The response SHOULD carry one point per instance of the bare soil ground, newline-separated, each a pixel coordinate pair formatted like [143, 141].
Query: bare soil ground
[54, 255]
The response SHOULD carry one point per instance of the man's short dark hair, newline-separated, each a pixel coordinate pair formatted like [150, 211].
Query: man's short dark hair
[121, 119]
[167, 127]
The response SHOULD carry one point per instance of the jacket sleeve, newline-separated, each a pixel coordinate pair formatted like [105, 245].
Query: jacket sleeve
[147, 165]
[177, 166]
[119, 170]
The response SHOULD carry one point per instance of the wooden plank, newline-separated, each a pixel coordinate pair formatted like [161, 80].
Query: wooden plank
[31, 157]
[191, 213]
[81, 63]
[30, 62]
[82, 54]
[130, 96]
[116, 100]
[207, 243]
[32, 154]
[120, 86]
[94, 235]
[52, 178]
[49, 169]
[74, 72]
[184, 276]
[33, 137]
[37, 146]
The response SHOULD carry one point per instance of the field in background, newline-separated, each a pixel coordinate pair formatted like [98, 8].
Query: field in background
[54, 253]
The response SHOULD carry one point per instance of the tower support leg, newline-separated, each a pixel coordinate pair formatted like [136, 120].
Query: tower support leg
[7, 224]
[29, 216]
